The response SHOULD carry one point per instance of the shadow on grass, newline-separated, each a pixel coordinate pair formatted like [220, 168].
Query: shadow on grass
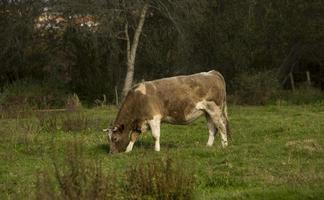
[149, 144]
[103, 148]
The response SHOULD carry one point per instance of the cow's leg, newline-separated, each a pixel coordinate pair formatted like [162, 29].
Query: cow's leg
[222, 130]
[215, 113]
[211, 130]
[155, 128]
[133, 138]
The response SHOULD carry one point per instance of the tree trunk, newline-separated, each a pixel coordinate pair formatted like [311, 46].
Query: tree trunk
[131, 51]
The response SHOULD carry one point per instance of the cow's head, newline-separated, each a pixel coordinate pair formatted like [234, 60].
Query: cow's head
[118, 138]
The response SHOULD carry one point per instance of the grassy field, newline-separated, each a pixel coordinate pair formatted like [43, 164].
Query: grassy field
[277, 152]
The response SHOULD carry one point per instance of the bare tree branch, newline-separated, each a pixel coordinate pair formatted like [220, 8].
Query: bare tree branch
[132, 48]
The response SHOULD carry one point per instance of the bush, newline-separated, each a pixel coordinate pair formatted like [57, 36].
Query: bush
[76, 178]
[255, 88]
[159, 179]
[302, 95]
[33, 95]
[79, 178]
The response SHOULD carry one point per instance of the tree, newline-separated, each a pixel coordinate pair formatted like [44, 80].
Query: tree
[132, 48]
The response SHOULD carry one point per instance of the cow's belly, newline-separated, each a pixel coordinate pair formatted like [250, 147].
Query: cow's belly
[186, 119]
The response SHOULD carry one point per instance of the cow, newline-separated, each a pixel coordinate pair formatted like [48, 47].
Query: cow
[175, 100]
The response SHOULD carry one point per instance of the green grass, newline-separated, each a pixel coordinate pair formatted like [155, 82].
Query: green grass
[277, 152]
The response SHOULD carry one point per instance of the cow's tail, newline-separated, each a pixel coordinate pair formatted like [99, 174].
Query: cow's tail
[224, 108]
[226, 120]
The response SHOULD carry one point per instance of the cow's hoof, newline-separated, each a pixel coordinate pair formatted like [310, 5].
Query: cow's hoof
[224, 144]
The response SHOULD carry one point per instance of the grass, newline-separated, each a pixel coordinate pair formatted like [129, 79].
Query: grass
[276, 153]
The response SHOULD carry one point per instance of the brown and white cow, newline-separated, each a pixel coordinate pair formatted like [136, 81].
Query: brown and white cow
[176, 100]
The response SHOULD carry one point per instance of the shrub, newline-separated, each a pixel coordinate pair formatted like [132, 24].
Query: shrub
[76, 178]
[258, 88]
[79, 178]
[32, 94]
[159, 179]
[302, 95]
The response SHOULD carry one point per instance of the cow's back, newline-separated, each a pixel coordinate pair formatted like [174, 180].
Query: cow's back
[177, 96]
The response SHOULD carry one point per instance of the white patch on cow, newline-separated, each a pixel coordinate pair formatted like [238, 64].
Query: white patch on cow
[211, 131]
[155, 128]
[201, 105]
[141, 88]
[130, 147]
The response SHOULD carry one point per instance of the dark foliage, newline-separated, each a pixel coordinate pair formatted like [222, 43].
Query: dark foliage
[255, 88]
[179, 37]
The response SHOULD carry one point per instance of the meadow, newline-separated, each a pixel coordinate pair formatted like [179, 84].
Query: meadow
[276, 152]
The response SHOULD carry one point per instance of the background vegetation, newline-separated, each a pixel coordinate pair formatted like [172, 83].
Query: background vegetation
[179, 37]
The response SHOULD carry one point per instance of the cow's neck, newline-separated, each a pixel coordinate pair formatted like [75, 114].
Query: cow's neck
[133, 111]
[126, 114]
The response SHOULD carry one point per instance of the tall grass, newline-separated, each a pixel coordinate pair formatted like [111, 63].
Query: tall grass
[48, 122]
[159, 179]
[69, 122]
[76, 178]
[24, 136]
[75, 122]
[302, 95]
[79, 178]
